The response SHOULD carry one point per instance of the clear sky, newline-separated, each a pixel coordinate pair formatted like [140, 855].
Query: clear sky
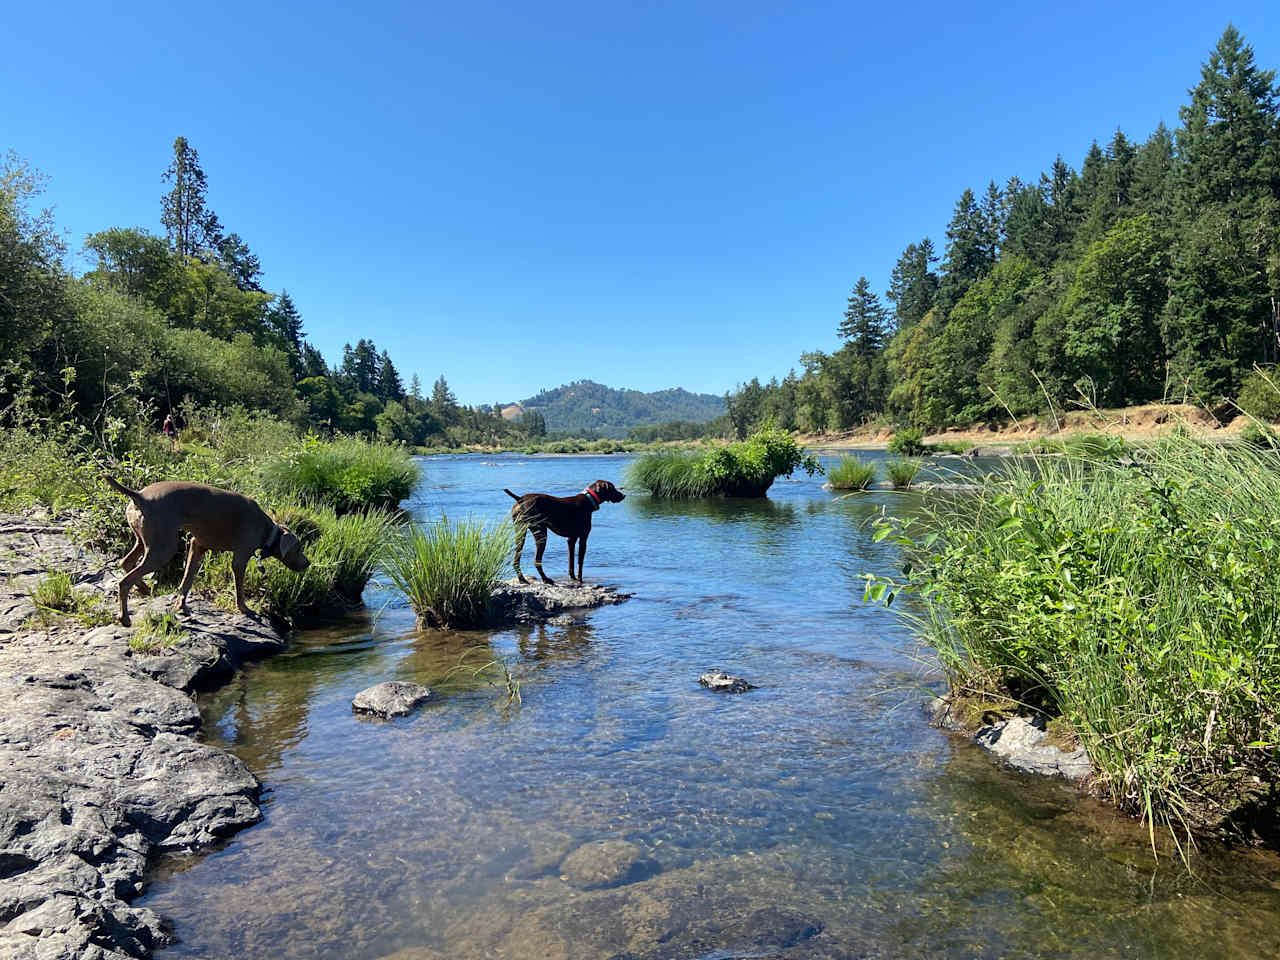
[521, 194]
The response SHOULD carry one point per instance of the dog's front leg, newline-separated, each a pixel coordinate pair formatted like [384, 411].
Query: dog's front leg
[238, 564]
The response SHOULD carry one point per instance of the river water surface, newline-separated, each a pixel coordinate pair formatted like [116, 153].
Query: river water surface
[817, 816]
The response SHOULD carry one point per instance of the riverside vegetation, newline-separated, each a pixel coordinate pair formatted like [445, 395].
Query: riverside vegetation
[1137, 606]
[744, 469]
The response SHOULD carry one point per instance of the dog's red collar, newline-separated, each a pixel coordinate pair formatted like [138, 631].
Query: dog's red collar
[595, 500]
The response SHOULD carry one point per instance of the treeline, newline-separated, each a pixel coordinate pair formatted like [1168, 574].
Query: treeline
[1151, 273]
[182, 319]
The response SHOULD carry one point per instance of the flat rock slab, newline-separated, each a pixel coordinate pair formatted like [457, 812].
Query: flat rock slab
[721, 682]
[1020, 743]
[101, 768]
[514, 602]
[394, 698]
[607, 863]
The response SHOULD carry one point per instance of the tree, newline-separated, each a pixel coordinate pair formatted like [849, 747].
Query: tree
[1112, 312]
[240, 262]
[136, 263]
[443, 403]
[993, 221]
[914, 286]
[969, 254]
[1228, 138]
[286, 322]
[865, 321]
[191, 227]
[389, 385]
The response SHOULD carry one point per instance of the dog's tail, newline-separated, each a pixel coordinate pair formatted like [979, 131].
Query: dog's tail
[133, 495]
[510, 494]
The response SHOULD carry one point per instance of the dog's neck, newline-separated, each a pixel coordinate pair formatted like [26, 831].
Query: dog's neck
[593, 498]
[269, 548]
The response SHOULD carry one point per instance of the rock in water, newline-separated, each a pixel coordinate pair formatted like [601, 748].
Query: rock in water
[607, 863]
[394, 698]
[722, 682]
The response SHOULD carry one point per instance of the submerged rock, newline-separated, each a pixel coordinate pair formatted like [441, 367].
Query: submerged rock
[607, 863]
[394, 698]
[721, 682]
[537, 602]
[1018, 741]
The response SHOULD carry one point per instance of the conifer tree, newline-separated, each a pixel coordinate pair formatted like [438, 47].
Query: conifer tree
[864, 324]
[968, 250]
[191, 226]
[914, 286]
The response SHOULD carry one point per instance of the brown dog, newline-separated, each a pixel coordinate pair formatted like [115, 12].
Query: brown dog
[568, 517]
[217, 519]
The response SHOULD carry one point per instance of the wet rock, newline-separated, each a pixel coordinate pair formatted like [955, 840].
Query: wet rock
[721, 682]
[394, 698]
[605, 864]
[100, 765]
[771, 929]
[1021, 744]
[1018, 741]
[537, 602]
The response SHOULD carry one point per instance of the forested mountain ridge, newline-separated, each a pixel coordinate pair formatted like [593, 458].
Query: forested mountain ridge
[585, 406]
[1152, 272]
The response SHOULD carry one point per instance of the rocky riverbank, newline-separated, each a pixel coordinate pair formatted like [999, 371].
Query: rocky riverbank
[101, 765]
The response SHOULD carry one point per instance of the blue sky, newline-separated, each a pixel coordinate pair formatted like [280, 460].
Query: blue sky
[519, 195]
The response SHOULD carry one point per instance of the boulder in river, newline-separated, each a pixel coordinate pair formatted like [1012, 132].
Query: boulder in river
[721, 682]
[607, 863]
[393, 698]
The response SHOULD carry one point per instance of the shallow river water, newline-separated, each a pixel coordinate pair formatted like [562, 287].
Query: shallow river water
[817, 816]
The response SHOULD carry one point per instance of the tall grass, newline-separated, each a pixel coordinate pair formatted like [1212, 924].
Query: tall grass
[744, 469]
[1141, 605]
[343, 550]
[851, 473]
[902, 472]
[348, 474]
[671, 474]
[448, 570]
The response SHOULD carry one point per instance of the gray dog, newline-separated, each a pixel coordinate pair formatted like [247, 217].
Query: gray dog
[217, 519]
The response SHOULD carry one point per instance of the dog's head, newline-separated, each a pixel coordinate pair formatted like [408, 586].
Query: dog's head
[289, 551]
[607, 492]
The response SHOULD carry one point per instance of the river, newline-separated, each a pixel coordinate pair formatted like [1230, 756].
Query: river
[816, 816]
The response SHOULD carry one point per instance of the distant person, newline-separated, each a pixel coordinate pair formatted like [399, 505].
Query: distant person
[170, 431]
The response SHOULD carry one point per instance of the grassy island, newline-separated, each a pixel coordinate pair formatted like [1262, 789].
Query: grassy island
[744, 469]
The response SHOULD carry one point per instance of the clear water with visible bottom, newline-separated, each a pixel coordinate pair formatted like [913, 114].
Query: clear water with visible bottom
[816, 816]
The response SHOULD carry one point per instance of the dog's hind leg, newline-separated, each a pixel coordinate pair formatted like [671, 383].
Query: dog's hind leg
[521, 530]
[155, 558]
[194, 555]
[582, 553]
[130, 559]
[572, 541]
[540, 539]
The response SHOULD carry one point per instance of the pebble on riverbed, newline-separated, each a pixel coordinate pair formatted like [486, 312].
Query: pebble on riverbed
[721, 682]
[394, 698]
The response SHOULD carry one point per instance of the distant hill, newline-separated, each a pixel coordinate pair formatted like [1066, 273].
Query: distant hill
[586, 405]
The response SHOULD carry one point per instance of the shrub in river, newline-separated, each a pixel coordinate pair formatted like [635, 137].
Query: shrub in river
[908, 443]
[851, 474]
[744, 469]
[902, 472]
[348, 474]
[448, 570]
[1142, 607]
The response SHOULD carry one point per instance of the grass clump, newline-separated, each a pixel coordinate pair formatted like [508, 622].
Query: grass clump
[908, 443]
[902, 472]
[348, 474]
[1141, 607]
[448, 570]
[343, 550]
[54, 595]
[157, 632]
[744, 469]
[851, 473]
